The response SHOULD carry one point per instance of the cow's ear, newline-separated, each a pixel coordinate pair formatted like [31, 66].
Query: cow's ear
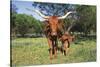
[60, 21]
[45, 22]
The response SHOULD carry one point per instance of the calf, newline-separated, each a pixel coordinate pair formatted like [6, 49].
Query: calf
[66, 39]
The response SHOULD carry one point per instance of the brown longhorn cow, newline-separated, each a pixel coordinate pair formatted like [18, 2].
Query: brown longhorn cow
[53, 31]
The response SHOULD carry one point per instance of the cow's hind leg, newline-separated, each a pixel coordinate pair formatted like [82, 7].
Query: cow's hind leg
[62, 48]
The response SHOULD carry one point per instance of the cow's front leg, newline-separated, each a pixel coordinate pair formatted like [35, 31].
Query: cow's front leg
[50, 48]
[55, 49]
[55, 52]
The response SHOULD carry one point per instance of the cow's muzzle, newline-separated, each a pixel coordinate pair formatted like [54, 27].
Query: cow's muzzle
[54, 34]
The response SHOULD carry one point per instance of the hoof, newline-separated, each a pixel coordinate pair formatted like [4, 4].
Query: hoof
[64, 52]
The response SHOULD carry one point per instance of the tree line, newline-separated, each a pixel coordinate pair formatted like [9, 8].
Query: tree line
[84, 21]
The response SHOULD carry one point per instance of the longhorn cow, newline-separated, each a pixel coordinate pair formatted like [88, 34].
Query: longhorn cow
[53, 31]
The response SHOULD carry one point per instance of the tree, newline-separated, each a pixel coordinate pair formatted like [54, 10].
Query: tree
[27, 24]
[52, 9]
[87, 18]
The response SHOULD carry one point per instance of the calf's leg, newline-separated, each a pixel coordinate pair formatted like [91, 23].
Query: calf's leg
[66, 47]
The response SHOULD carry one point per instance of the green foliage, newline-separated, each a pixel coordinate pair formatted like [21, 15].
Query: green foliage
[25, 24]
[84, 20]
[53, 9]
[87, 18]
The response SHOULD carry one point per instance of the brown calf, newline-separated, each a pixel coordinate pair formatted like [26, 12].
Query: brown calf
[66, 39]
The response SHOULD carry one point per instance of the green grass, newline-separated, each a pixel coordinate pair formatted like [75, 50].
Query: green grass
[33, 51]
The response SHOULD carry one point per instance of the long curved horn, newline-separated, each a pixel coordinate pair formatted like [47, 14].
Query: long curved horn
[43, 16]
[65, 15]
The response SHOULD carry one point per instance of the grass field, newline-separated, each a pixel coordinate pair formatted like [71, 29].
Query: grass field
[33, 51]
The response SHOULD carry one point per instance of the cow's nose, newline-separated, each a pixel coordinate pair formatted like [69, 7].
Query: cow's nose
[54, 33]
